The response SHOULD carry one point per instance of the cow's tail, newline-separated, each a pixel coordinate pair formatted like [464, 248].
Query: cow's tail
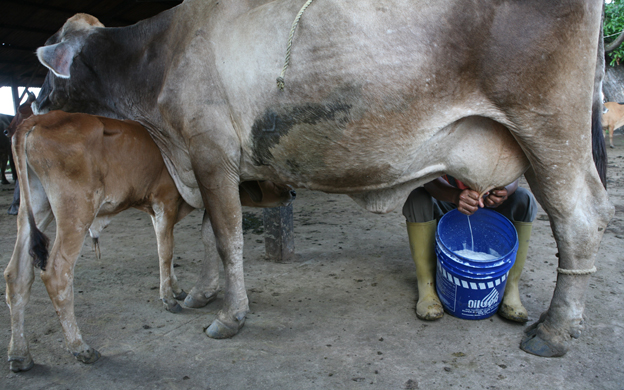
[38, 241]
[599, 148]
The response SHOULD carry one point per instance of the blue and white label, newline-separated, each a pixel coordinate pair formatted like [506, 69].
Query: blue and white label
[466, 298]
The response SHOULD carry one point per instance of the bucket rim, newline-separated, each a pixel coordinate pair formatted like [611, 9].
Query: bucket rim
[492, 213]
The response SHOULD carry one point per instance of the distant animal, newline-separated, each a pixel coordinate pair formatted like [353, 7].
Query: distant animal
[6, 157]
[379, 98]
[612, 119]
[82, 170]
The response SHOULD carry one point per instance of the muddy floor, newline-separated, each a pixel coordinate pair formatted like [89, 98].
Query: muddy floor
[340, 316]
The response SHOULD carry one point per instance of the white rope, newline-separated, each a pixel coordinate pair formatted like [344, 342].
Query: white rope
[280, 79]
[577, 271]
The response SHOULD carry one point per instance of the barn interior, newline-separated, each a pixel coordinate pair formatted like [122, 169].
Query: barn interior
[25, 25]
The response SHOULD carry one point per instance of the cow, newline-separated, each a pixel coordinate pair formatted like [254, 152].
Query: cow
[374, 99]
[82, 170]
[612, 119]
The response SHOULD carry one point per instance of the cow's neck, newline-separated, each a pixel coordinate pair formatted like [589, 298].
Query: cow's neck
[141, 53]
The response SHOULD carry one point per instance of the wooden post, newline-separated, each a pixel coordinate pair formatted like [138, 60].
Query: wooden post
[15, 94]
[279, 238]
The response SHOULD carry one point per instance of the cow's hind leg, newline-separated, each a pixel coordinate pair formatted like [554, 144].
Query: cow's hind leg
[19, 276]
[207, 286]
[579, 211]
[71, 227]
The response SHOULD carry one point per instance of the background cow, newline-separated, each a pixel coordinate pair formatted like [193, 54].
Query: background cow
[612, 119]
[82, 170]
[378, 99]
[6, 157]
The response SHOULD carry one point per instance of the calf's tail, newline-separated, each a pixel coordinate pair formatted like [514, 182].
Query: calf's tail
[38, 241]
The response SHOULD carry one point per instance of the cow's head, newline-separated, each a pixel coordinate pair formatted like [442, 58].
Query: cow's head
[69, 69]
[265, 194]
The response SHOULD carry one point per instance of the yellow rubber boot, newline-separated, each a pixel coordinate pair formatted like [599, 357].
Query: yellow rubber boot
[511, 307]
[422, 244]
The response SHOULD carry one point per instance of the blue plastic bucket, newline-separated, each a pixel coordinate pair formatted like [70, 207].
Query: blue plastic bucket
[470, 288]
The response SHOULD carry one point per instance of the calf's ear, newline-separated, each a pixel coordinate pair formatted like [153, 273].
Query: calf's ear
[58, 58]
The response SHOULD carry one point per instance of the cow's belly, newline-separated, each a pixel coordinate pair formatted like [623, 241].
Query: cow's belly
[380, 171]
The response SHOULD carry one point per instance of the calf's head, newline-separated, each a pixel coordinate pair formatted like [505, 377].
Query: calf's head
[265, 194]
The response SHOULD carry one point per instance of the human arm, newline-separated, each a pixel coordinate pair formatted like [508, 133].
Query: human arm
[467, 201]
[498, 195]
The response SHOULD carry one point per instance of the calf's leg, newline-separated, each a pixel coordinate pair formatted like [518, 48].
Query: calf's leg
[19, 276]
[72, 226]
[164, 220]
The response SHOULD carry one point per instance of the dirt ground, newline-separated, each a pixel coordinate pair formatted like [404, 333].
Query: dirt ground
[340, 316]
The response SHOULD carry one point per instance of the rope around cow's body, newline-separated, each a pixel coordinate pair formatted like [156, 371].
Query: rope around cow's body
[280, 79]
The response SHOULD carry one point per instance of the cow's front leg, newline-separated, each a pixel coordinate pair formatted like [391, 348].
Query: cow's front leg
[578, 224]
[207, 285]
[225, 215]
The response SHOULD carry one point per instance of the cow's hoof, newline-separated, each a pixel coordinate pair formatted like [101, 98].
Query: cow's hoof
[533, 343]
[180, 296]
[172, 306]
[197, 300]
[516, 314]
[21, 364]
[219, 330]
[87, 357]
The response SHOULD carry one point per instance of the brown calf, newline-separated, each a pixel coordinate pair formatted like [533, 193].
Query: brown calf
[82, 170]
[612, 119]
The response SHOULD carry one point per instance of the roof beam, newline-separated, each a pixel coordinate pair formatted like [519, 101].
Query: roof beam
[27, 29]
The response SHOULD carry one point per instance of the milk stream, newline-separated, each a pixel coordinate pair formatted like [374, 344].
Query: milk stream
[471, 236]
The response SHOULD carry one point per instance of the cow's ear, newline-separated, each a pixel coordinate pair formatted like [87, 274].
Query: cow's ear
[58, 58]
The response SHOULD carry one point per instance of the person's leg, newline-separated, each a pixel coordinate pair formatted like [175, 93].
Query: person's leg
[521, 209]
[420, 211]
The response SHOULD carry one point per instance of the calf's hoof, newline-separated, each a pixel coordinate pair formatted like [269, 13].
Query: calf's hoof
[219, 330]
[13, 210]
[21, 364]
[536, 343]
[87, 357]
[180, 296]
[197, 300]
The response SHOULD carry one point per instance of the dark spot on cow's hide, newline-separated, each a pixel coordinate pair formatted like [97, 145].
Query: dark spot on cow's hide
[276, 123]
